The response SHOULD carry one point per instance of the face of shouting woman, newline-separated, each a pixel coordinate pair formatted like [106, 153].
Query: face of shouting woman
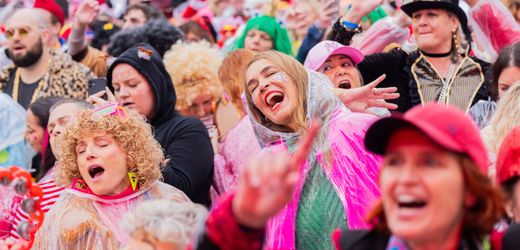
[422, 188]
[102, 163]
[272, 91]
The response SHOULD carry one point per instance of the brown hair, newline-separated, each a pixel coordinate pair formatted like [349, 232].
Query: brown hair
[132, 133]
[479, 219]
[197, 29]
[298, 75]
[231, 76]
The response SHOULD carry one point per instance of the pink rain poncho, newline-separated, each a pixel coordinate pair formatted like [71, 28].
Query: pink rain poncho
[79, 220]
[338, 151]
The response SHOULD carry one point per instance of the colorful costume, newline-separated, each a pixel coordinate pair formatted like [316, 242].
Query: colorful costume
[269, 25]
[81, 220]
[338, 172]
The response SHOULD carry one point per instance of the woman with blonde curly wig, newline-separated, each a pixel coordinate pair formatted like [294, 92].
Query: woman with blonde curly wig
[194, 68]
[109, 163]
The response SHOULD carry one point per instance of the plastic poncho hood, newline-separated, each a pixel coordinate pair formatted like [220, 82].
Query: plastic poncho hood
[340, 153]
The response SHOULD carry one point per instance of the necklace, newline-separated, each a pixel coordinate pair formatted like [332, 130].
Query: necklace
[436, 55]
[16, 87]
[446, 84]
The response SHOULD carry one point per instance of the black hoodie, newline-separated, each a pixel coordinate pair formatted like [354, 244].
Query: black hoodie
[185, 140]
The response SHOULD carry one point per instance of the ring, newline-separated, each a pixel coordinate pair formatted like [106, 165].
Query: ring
[375, 92]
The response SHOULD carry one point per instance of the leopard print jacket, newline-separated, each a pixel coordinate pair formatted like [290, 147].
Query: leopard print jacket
[66, 78]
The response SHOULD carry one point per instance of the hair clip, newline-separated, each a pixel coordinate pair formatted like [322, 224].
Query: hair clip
[144, 53]
[111, 109]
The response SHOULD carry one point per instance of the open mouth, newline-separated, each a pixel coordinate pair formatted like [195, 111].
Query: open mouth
[273, 99]
[96, 171]
[126, 104]
[18, 48]
[410, 202]
[344, 84]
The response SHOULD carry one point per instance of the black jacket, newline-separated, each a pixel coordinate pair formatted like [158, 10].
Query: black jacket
[397, 64]
[185, 140]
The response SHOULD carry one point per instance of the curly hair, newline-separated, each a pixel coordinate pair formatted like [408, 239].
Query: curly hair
[132, 133]
[166, 220]
[158, 33]
[193, 68]
[231, 75]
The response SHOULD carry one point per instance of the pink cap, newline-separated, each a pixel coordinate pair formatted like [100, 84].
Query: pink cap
[323, 50]
[447, 126]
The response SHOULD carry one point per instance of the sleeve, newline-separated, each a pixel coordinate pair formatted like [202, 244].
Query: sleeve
[340, 34]
[76, 41]
[380, 35]
[496, 22]
[190, 161]
[94, 59]
[313, 37]
[222, 231]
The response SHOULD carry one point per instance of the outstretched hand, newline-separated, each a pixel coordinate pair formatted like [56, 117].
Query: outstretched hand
[360, 9]
[368, 96]
[86, 13]
[267, 184]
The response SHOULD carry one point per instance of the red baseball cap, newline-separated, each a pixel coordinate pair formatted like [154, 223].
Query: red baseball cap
[52, 7]
[508, 158]
[447, 126]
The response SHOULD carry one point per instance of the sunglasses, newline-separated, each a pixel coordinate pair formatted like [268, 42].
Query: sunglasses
[22, 32]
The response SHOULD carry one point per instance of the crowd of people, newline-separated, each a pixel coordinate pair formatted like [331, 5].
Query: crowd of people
[260, 124]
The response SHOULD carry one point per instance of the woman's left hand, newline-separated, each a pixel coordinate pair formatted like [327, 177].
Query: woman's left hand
[368, 96]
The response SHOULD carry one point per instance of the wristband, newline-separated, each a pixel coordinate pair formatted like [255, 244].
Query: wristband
[349, 25]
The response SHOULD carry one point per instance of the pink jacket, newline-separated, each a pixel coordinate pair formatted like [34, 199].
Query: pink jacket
[353, 172]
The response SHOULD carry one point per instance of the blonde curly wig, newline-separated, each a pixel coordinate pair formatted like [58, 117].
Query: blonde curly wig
[144, 154]
[193, 68]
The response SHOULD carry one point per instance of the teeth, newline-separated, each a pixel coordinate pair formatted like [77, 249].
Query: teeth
[404, 198]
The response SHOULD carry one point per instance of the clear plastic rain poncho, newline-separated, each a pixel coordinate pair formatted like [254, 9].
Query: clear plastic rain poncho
[338, 151]
[80, 220]
[13, 149]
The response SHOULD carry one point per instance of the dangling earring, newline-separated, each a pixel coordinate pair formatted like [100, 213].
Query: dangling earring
[454, 46]
[133, 179]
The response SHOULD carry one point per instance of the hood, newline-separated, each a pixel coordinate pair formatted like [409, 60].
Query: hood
[147, 61]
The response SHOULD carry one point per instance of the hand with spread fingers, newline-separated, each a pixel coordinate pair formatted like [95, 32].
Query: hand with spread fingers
[368, 96]
[267, 184]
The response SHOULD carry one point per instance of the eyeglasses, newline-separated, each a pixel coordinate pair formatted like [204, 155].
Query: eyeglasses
[111, 109]
[22, 32]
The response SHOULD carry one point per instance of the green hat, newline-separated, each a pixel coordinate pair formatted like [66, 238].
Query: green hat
[269, 25]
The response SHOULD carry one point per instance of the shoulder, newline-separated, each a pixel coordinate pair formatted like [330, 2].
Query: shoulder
[162, 190]
[184, 124]
[362, 239]
[62, 64]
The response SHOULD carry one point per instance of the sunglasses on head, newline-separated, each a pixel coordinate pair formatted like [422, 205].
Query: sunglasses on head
[22, 32]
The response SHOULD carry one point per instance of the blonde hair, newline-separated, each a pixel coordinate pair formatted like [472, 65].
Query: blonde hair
[132, 133]
[167, 221]
[298, 75]
[506, 117]
[193, 68]
[231, 75]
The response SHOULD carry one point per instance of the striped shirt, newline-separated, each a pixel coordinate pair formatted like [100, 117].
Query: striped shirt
[51, 193]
